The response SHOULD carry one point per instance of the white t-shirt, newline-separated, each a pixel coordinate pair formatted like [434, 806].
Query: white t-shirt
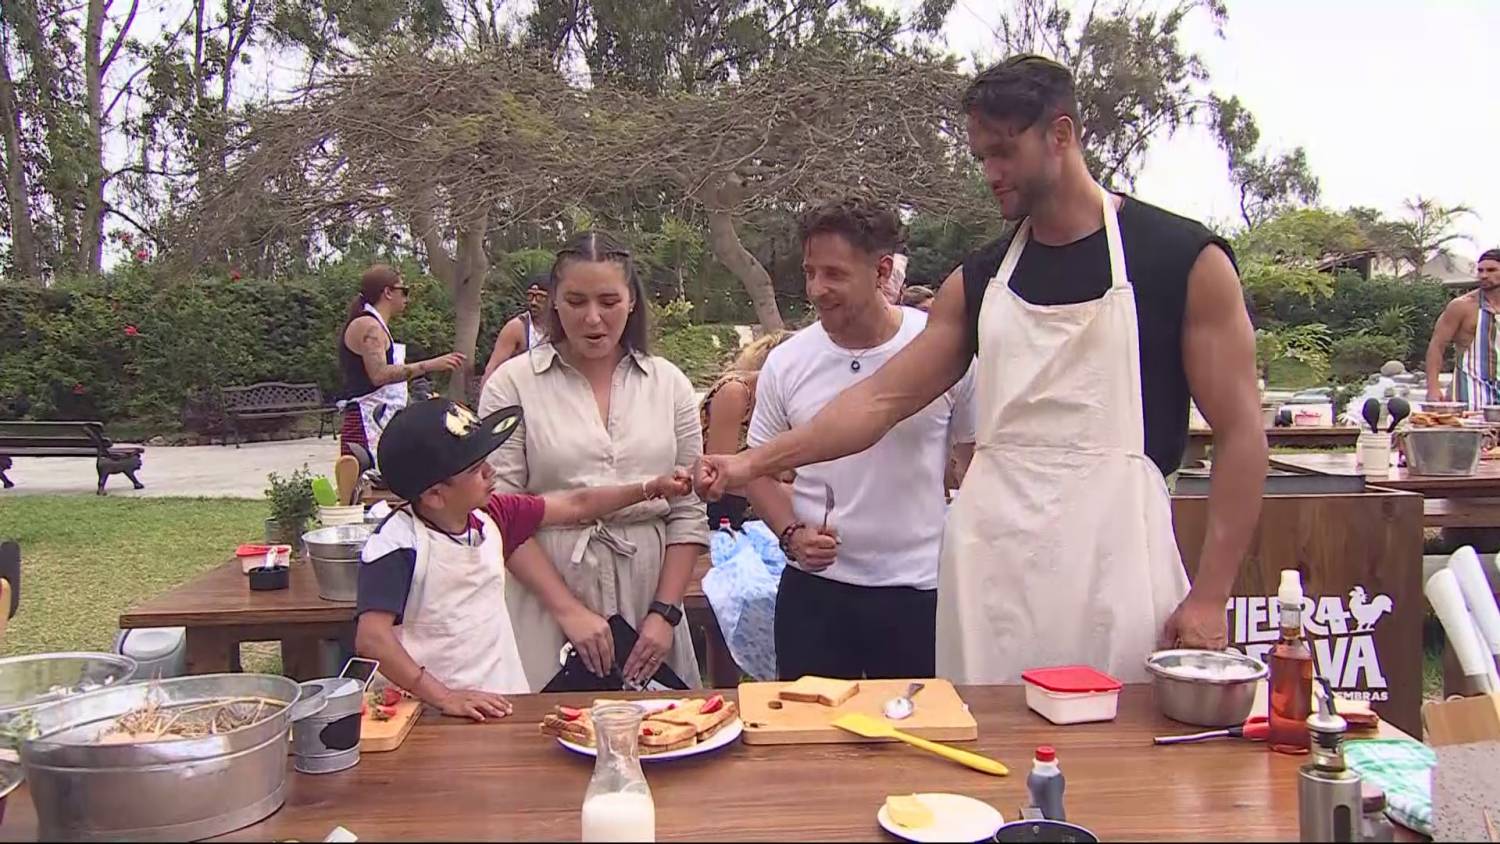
[889, 502]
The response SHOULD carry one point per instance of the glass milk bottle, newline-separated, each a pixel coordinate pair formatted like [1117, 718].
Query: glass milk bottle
[618, 805]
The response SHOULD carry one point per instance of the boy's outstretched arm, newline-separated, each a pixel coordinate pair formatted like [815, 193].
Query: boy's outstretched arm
[590, 503]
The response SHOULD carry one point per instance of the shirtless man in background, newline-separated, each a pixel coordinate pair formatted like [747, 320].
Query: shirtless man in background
[1469, 322]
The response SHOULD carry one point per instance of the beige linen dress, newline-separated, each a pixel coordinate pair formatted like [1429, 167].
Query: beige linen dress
[612, 565]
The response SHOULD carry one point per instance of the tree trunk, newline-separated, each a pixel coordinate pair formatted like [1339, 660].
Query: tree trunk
[17, 191]
[463, 273]
[468, 287]
[91, 231]
[724, 240]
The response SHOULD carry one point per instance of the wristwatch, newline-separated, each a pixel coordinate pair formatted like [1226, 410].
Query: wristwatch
[669, 613]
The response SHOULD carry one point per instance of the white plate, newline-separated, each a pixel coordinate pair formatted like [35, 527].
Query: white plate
[955, 818]
[726, 736]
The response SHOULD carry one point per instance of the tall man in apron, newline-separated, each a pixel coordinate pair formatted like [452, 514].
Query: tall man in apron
[1472, 323]
[373, 364]
[1093, 324]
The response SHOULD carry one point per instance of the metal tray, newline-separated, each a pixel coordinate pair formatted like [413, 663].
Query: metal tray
[1279, 482]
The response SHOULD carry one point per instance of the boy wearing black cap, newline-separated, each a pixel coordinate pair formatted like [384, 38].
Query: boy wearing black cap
[431, 603]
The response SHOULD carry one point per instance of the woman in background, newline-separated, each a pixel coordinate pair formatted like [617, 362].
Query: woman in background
[725, 416]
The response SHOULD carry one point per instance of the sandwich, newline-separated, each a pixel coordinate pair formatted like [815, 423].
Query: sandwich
[821, 690]
[663, 737]
[705, 717]
[570, 725]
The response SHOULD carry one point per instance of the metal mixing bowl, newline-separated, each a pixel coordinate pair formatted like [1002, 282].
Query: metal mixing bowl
[1205, 688]
[1443, 451]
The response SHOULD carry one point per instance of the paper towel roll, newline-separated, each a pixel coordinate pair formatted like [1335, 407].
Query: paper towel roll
[1477, 595]
[1447, 599]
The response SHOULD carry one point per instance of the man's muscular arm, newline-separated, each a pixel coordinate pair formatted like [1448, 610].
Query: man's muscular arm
[366, 338]
[855, 420]
[1445, 332]
[508, 343]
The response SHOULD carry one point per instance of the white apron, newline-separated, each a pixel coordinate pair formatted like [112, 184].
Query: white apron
[1060, 549]
[455, 621]
[377, 408]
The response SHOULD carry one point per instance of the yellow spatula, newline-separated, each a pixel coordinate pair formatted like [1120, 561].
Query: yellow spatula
[864, 725]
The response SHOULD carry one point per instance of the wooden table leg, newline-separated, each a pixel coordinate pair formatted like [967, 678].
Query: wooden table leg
[723, 672]
[212, 650]
[301, 657]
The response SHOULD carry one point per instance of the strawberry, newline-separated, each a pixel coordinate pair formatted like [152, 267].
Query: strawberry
[648, 731]
[363, 709]
[713, 704]
[389, 696]
[385, 713]
[568, 713]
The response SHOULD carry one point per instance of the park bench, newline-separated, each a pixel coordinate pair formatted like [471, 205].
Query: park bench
[68, 439]
[273, 400]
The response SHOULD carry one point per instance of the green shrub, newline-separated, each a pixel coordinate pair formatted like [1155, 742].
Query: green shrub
[698, 350]
[1360, 355]
[137, 344]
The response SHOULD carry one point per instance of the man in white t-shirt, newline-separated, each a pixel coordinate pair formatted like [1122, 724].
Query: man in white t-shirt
[860, 596]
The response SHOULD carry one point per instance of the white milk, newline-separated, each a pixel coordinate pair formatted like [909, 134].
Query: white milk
[619, 816]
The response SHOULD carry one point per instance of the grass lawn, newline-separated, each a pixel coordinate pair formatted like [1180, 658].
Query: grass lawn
[86, 559]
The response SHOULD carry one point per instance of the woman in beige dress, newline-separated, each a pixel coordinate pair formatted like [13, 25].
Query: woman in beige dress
[600, 410]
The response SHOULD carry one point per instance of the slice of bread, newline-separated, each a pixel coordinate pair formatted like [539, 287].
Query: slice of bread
[578, 731]
[648, 750]
[691, 713]
[660, 734]
[822, 690]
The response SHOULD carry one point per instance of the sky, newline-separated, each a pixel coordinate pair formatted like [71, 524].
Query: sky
[1391, 99]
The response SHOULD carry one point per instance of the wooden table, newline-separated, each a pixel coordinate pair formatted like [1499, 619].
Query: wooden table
[454, 780]
[1341, 436]
[219, 611]
[1484, 483]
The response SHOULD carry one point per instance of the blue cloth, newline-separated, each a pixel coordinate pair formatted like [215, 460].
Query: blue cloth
[741, 588]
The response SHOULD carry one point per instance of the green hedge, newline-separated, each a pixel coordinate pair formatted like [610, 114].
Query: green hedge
[138, 347]
[1402, 310]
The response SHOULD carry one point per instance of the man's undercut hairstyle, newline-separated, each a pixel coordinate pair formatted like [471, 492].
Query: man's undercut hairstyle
[869, 226]
[1024, 90]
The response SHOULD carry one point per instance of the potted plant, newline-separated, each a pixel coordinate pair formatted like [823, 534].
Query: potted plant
[292, 507]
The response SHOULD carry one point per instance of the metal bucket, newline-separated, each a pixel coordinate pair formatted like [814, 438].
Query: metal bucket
[1443, 451]
[172, 790]
[334, 552]
[27, 682]
[329, 741]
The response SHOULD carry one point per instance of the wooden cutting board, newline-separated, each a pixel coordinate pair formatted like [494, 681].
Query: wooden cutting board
[381, 736]
[940, 714]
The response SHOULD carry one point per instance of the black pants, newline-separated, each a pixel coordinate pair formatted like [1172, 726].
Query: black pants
[832, 629]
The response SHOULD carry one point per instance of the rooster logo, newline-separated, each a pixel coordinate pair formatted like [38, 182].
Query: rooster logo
[1365, 611]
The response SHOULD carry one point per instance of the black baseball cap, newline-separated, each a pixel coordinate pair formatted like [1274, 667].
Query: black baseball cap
[431, 441]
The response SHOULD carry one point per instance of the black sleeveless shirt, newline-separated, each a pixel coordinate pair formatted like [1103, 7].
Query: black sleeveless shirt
[1160, 249]
[357, 383]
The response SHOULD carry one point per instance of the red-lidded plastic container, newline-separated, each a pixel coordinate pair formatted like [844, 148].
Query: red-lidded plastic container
[1072, 694]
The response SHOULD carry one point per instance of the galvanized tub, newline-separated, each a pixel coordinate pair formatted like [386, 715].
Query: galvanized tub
[1450, 452]
[27, 682]
[334, 552]
[171, 790]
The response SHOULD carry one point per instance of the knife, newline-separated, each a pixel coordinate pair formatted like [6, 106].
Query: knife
[827, 505]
